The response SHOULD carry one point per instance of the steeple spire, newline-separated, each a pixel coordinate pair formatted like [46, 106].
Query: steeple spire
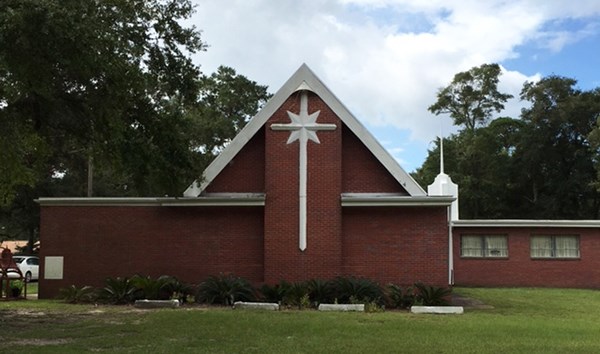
[441, 154]
[443, 185]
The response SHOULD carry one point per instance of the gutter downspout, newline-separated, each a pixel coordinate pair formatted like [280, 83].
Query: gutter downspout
[450, 249]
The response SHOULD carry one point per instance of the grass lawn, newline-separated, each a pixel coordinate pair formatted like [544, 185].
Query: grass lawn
[522, 321]
[32, 288]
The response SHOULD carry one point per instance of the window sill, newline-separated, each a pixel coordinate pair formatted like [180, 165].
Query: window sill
[485, 258]
[555, 258]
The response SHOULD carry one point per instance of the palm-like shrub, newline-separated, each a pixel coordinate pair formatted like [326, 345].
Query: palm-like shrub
[274, 293]
[432, 295]
[161, 288]
[320, 291]
[302, 294]
[297, 294]
[181, 291]
[400, 298]
[118, 291]
[73, 294]
[352, 289]
[225, 290]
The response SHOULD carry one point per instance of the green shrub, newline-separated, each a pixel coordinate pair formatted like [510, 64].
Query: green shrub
[304, 302]
[399, 298]
[270, 293]
[73, 294]
[225, 290]
[274, 293]
[118, 291]
[360, 289]
[373, 306]
[16, 284]
[432, 295]
[297, 294]
[181, 291]
[126, 290]
[15, 287]
[161, 288]
[320, 292]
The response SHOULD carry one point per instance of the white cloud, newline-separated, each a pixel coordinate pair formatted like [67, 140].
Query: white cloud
[385, 72]
[555, 41]
[512, 82]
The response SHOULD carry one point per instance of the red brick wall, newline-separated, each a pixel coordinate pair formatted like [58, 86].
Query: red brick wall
[519, 269]
[283, 258]
[246, 171]
[362, 172]
[187, 242]
[399, 245]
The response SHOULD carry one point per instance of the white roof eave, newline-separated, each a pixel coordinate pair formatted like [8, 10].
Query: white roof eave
[527, 223]
[231, 199]
[358, 200]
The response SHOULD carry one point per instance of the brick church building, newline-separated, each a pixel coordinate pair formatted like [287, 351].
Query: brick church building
[305, 191]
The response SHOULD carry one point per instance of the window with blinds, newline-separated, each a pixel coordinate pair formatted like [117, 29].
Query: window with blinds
[554, 246]
[488, 246]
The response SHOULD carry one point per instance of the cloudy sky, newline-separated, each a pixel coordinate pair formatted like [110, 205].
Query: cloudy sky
[386, 59]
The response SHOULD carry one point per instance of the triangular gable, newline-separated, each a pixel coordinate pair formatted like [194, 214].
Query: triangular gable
[304, 79]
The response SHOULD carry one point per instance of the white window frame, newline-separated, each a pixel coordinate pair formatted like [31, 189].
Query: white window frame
[485, 250]
[552, 251]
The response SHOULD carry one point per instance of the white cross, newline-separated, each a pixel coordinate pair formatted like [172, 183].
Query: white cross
[303, 127]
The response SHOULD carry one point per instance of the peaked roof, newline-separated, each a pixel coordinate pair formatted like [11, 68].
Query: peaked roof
[304, 79]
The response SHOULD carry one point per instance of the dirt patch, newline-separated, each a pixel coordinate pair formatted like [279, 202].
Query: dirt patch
[23, 319]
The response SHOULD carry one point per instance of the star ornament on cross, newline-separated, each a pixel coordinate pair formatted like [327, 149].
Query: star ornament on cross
[303, 127]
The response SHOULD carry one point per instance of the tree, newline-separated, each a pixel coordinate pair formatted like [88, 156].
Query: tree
[470, 100]
[543, 166]
[79, 77]
[471, 97]
[108, 84]
[556, 157]
[228, 101]
[21, 219]
[594, 136]
[481, 165]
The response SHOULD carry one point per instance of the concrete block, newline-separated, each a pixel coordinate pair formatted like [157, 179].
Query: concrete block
[438, 309]
[267, 306]
[156, 304]
[342, 307]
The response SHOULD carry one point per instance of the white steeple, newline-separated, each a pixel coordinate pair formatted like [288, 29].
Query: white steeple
[443, 186]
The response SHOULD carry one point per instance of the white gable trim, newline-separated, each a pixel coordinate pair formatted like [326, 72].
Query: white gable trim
[304, 79]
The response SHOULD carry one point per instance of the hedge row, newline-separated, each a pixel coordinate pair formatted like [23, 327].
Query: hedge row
[225, 289]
